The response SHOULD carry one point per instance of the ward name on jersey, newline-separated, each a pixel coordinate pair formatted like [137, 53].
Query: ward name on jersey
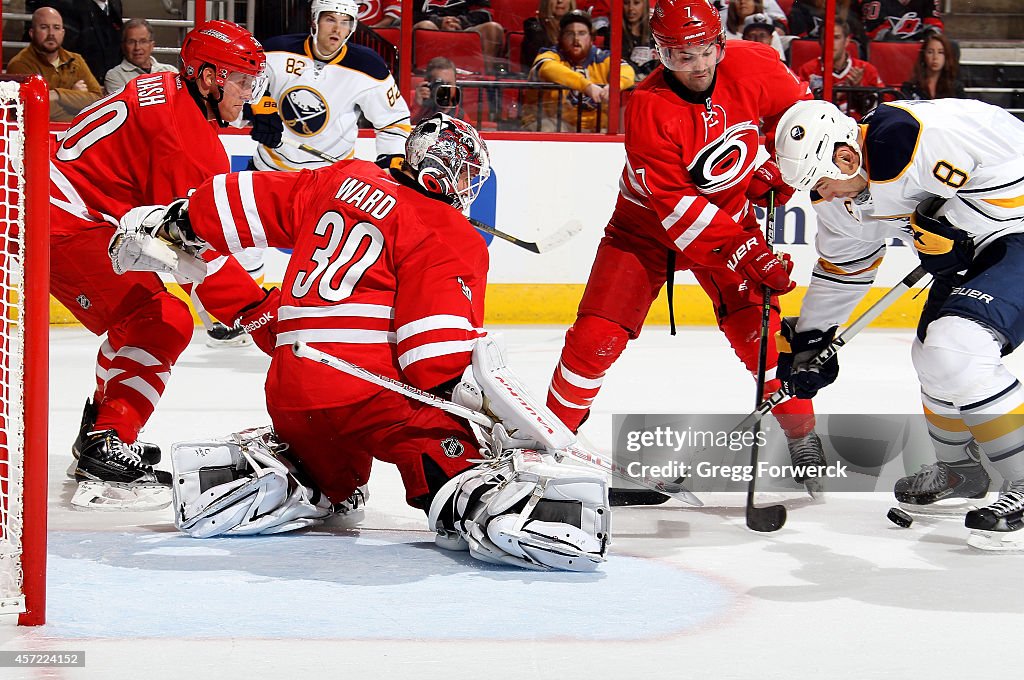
[321, 102]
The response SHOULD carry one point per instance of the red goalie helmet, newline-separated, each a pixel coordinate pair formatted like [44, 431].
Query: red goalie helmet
[229, 48]
[686, 24]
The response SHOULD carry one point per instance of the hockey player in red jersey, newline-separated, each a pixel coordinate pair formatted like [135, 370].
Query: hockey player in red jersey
[153, 141]
[387, 274]
[685, 202]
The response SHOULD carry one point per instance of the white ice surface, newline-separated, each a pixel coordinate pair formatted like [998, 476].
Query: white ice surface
[839, 592]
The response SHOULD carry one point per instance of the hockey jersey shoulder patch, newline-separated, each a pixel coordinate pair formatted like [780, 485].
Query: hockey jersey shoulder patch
[892, 140]
[364, 60]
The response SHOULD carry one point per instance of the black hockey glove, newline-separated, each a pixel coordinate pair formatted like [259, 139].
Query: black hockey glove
[388, 161]
[267, 129]
[942, 247]
[801, 377]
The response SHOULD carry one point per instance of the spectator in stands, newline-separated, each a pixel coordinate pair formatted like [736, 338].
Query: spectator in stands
[760, 28]
[738, 10]
[935, 72]
[94, 29]
[463, 15]
[542, 30]
[900, 19]
[72, 85]
[381, 14]
[847, 71]
[137, 45]
[806, 17]
[638, 46]
[582, 68]
[439, 92]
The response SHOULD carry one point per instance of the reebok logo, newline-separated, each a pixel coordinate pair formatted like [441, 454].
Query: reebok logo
[263, 320]
[740, 253]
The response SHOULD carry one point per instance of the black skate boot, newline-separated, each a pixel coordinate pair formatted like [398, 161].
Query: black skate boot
[998, 526]
[942, 488]
[805, 452]
[219, 335]
[149, 453]
[112, 476]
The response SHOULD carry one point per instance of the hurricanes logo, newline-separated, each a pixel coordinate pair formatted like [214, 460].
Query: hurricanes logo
[727, 160]
[304, 110]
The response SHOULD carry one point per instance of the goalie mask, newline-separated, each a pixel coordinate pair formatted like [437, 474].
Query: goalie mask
[448, 158]
[231, 51]
[682, 29]
[805, 142]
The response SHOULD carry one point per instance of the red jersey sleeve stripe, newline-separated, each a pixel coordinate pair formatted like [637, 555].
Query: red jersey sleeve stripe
[434, 323]
[227, 220]
[434, 350]
[251, 211]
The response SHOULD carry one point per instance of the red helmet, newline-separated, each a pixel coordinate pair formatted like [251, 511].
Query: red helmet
[685, 24]
[227, 47]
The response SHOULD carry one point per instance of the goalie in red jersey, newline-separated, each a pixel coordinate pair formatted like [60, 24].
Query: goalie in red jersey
[685, 203]
[153, 141]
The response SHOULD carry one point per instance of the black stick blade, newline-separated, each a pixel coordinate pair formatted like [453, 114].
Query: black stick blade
[624, 497]
[767, 519]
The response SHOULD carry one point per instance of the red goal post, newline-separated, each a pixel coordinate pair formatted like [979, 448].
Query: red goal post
[24, 344]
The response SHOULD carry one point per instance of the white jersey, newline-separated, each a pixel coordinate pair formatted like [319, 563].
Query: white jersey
[964, 151]
[321, 102]
[967, 152]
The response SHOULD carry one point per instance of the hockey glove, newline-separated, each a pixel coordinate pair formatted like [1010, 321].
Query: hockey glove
[766, 179]
[259, 320]
[157, 238]
[267, 129]
[388, 161]
[749, 257]
[801, 376]
[942, 247]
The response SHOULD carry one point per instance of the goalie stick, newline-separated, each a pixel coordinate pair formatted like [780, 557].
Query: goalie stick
[555, 239]
[592, 458]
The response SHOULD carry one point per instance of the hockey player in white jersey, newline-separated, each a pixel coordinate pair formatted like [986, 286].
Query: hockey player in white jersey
[948, 177]
[319, 86]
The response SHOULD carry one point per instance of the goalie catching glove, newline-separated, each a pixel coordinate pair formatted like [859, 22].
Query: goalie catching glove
[158, 238]
[241, 485]
[799, 373]
[525, 510]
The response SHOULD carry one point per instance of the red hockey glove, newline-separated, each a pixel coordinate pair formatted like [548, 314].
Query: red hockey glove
[260, 320]
[750, 258]
[766, 178]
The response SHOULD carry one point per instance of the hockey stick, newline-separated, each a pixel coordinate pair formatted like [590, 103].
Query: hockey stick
[859, 324]
[592, 458]
[557, 238]
[770, 517]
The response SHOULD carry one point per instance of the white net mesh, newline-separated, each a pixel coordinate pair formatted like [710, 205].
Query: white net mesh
[12, 342]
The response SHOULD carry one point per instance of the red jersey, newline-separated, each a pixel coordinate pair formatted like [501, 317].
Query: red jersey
[146, 145]
[380, 275]
[688, 163]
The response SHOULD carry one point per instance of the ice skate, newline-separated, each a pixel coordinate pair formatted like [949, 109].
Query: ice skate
[149, 453]
[112, 476]
[220, 335]
[942, 489]
[804, 452]
[351, 511]
[997, 527]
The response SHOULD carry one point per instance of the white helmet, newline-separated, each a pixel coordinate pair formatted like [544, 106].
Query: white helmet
[448, 158]
[349, 7]
[806, 138]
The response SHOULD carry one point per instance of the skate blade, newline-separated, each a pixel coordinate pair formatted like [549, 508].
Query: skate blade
[996, 541]
[948, 508]
[815, 489]
[111, 497]
[243, 340]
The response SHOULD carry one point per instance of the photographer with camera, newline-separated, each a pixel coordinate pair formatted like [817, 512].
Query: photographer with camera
[438, 93]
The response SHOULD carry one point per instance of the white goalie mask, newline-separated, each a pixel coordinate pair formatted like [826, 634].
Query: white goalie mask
[448, 158]
[805, 141]
[347, 7]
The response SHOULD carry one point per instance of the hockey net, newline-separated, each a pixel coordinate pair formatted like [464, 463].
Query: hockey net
[24, 309]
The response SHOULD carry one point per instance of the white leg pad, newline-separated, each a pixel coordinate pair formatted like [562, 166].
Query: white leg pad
[526, 510]
[238, 486]
[490, 385]
[960, 361]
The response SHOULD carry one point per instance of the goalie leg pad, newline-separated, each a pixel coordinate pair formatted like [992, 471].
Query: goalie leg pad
[526, 510]
[240, 485]
[492, 385]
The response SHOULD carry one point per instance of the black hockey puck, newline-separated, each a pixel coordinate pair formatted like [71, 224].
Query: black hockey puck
[900, 518]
